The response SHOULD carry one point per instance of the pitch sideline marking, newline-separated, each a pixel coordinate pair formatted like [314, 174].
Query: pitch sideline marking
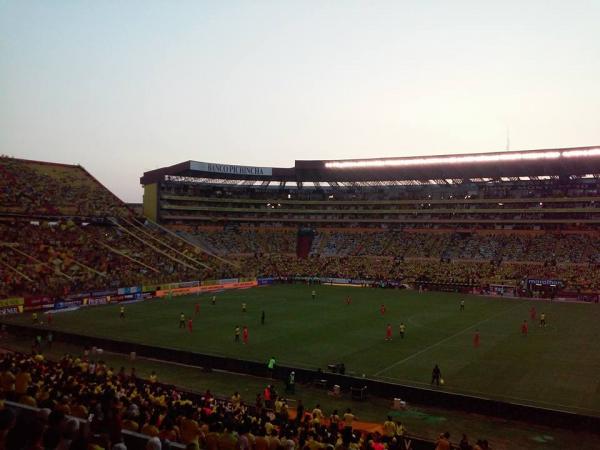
[426, 349]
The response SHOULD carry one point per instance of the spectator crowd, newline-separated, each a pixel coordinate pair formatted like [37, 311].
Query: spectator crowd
[85, 404]
[62, 232]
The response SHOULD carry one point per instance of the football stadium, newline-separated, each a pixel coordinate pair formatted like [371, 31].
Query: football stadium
[327, 304]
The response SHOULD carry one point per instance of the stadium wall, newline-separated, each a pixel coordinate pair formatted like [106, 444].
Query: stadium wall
[150, 205]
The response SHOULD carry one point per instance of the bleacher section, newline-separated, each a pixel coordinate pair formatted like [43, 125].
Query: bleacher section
[470, 223]
[62, 232]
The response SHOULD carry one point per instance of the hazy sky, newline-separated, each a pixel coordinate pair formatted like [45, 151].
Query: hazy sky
[122, 87]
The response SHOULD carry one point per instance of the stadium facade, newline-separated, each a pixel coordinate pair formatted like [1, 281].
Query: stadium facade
[552, 188]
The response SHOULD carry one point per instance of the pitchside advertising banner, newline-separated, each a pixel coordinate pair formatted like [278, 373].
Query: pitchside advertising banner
[35, 303]
[195, 287]
[541, 282]
[129, 290]
[16, 305]
[11, 305]
[230, 169]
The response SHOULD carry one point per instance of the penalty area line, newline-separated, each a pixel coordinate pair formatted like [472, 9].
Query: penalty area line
[426, 349]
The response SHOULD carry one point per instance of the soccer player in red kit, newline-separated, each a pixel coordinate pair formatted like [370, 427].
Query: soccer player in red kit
[532, 313]
[476, 339]
[190, 325]
[49, 316]
[524, 328]
[388, 333]
[245, 334]
[382, 310]
[197, 309]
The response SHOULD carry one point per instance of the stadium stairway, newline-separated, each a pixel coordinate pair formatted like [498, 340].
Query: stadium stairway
[317, 243]
[197, 241]
[171, 234]
[146, 239]
[304, 243]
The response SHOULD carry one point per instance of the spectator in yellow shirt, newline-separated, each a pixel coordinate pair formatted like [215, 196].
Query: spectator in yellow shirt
[389, 427]
[22, 381]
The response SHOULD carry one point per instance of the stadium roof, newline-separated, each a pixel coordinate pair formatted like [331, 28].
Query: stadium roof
[577, 161]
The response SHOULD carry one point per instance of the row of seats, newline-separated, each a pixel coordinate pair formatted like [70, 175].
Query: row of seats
[581, 248]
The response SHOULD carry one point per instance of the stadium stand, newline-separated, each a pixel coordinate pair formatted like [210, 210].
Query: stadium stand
[441, 226]
[40, 188]
[81, 402]
[524, 224]
[477, 222]
[61, 232]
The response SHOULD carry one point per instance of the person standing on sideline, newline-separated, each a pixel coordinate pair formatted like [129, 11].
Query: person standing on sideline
[436, 375]
[271, 366]
[290, 387]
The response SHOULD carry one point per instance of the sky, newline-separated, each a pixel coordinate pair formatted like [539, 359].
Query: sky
[122, 87]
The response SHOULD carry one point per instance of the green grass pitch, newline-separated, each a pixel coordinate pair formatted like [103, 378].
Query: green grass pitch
[555, 367]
